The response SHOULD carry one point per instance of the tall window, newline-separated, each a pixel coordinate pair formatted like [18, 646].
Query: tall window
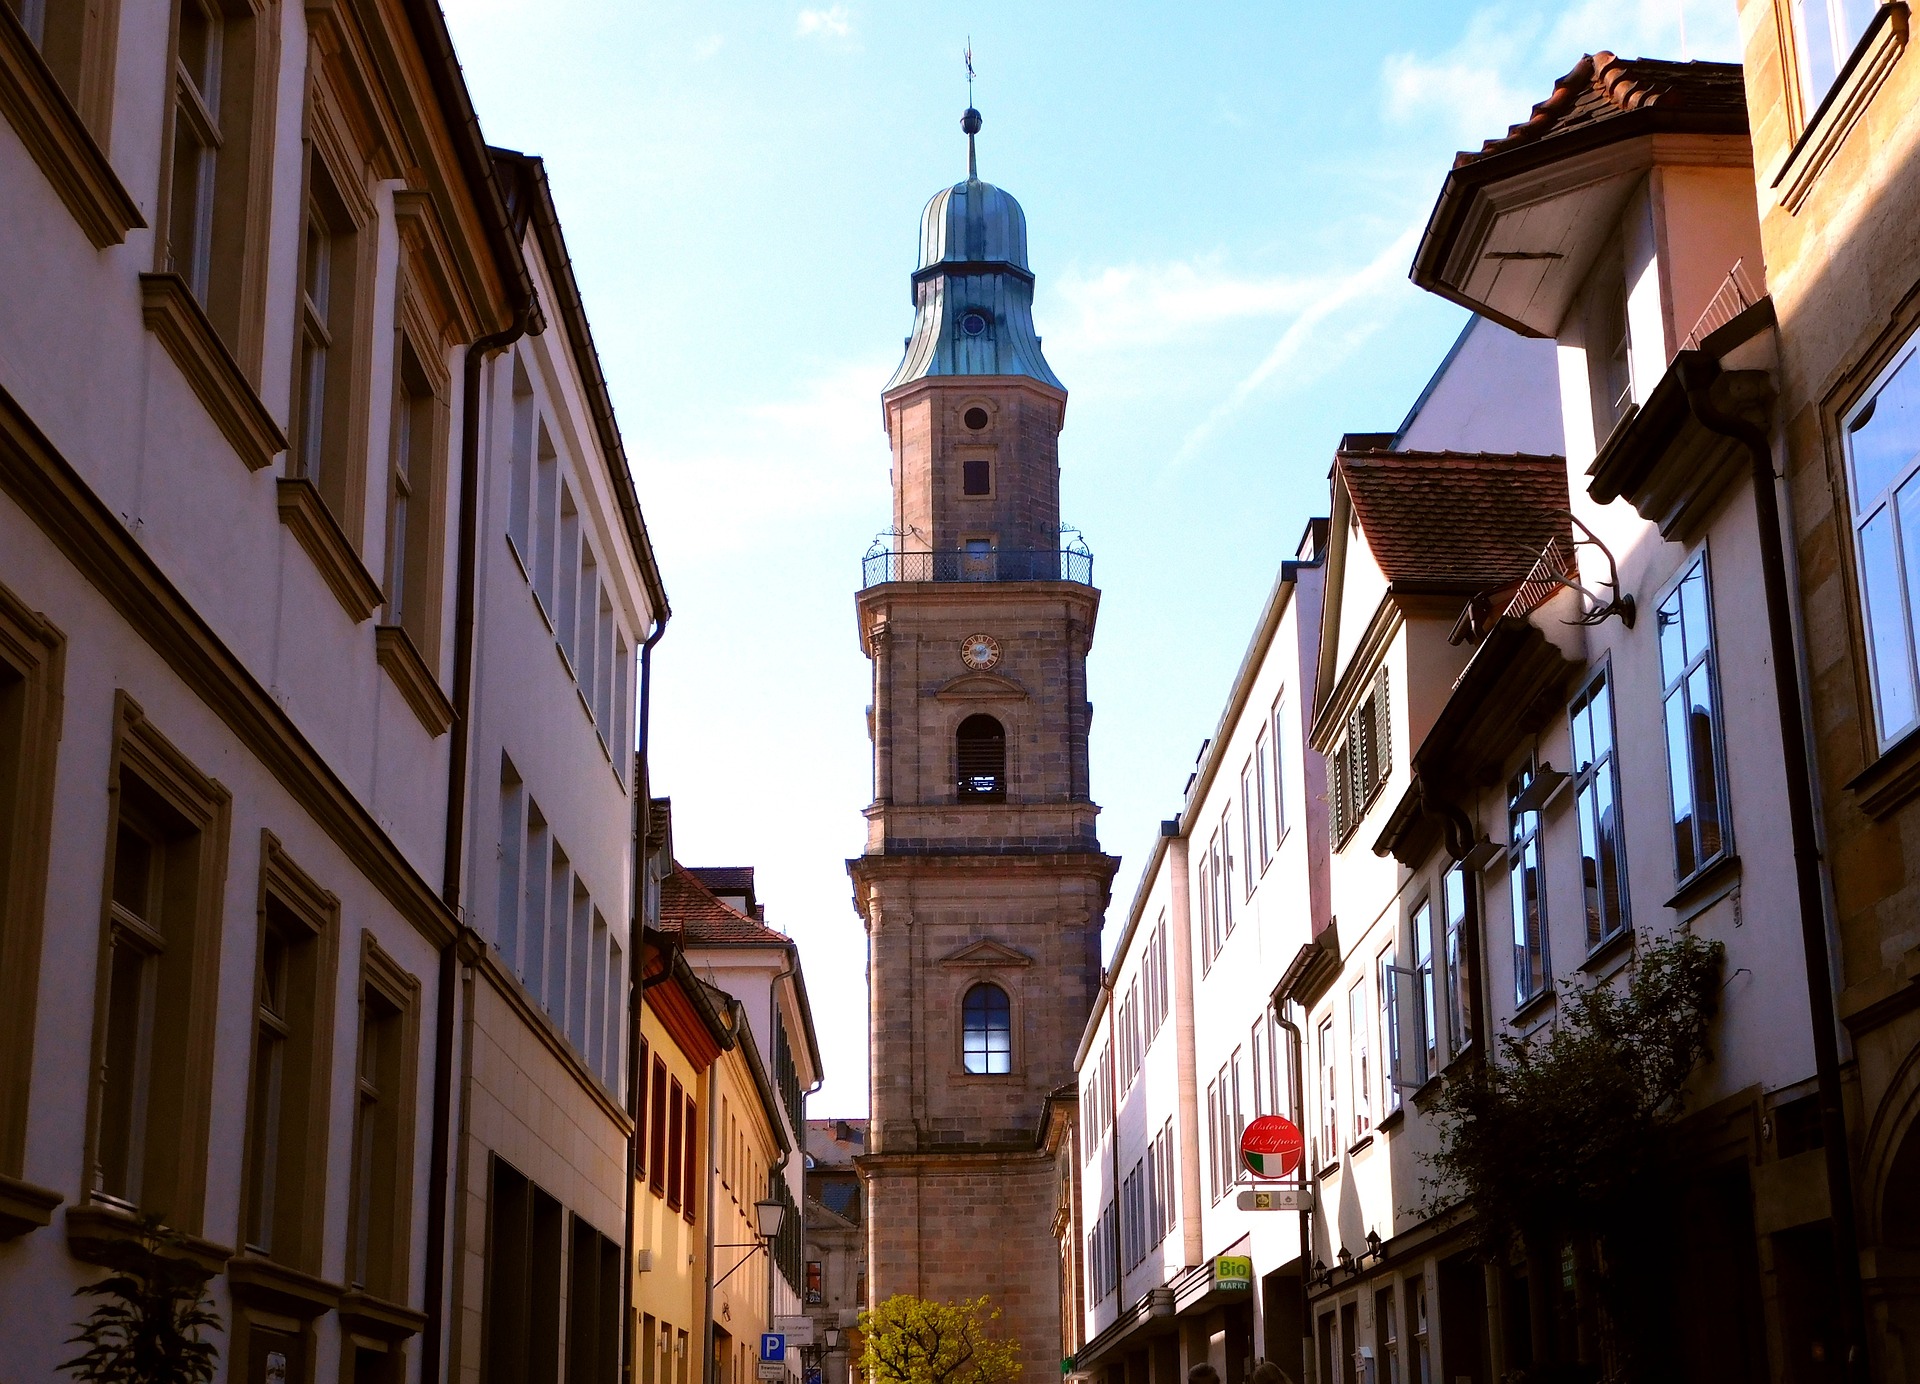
[196, 143]
[413, 596]
[1392, 1041]
[986, 1042]
[377, 1233]
[1597, 792]
[1609, 342]
[1213, 1138]
[1695, 768]
[980, 757]
[1225, 839]
[524, 1230]
[520, 464]
[1453, 889]
[1883, 457]
[1530, 963]
[1360, 1051]
[1386, 1338]
[1329, 1104]
[675, 1125]
[1261, 777]
[1277, 818]
[322, 408]
[138, 943]
[660, 1091]
[593, 1307]
[1425, 1038]
[1203, 899]
[1829, 30]
[1422, 1362]
[1253, 829]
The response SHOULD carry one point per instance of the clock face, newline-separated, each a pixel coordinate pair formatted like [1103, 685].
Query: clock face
[979, 652]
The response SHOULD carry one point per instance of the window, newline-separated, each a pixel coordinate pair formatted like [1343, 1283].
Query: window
[1203, 914]
[1258, 788]
[1329, 1149]
[1597, 793]
[523, 1281]
[1393, 1043]
[566, 615]
[1359, 1020]
[1257, 1050]
[1362, 763]
[546, 515]
[689, 1165]
[1883, 457]
[1453, 887]
[975, 476]
[1166, 1184]
[413, 490]
[1422, 1362]
[980, 758]
[1133, 1217]
[1386, 1337]
[322, 410]
[1213, 1139]
[520, 465]
[167, 837]
[1253, 827]
[1530, 963]
[670, 1152]
[593, 1307]
[293, 1023]
[1225, 838]
[1277, 818]
[1157, 952]
[1609, 342]
[986, 1044]
[1829, 30]
[1695, 768]
[1425, 1038]
[382, 1128]
[815, 1280]
[32, 665]
[657, 1127]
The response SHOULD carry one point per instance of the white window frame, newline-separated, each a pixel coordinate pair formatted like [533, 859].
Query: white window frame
[1862, 510]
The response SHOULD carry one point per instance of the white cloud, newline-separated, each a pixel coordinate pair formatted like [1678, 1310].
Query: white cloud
[835, 22]
[1336, 294]
[1147, 306]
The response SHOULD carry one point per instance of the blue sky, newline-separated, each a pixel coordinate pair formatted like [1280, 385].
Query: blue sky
[1222, 203]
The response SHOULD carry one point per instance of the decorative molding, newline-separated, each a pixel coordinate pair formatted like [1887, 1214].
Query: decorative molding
[37, 478]
[261, 1282]
[306, 513]
[95, 1234]
[971, 687]
[175, 316]
[59, 141]
[1890, 781]
[365, 1315]
[1845, 102]
[394, 648]
[986, 953]
[24, 1207]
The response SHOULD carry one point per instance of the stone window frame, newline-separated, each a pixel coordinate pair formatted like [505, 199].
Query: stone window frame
[177, 1134]
[62, 109]
[312, 913]
[1013, 732]
[958, 988]
[381, 976]
[33, 654]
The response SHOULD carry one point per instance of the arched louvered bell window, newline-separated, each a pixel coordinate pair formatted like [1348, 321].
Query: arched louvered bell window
[980, 754]
[986, 1031]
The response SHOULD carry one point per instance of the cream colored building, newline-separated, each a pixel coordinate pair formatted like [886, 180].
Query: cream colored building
[258, 616]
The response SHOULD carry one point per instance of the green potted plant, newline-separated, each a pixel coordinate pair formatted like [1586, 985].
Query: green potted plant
[151, 1311]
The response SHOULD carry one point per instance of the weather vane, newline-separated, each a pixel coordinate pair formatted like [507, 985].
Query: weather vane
[967, 54]
[970, 122]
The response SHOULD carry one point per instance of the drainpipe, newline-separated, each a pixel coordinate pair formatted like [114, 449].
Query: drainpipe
[1306, 1212]
[459, 745]
[1699, 377]
[1113, 1152]
[713, 1133]
[637, 986]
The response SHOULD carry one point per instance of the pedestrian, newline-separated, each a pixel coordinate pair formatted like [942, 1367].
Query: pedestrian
[1266, 1372]
[1203, 1373]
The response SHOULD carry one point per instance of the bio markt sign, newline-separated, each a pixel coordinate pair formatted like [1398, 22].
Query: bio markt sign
[1233, 1273]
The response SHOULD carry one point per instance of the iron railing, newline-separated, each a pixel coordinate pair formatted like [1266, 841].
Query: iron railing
[1063, 564]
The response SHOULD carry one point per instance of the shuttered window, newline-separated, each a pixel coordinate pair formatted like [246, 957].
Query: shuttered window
[1362, 762]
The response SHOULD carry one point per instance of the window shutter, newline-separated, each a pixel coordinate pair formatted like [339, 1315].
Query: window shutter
[1382, 732]
[1338, 807]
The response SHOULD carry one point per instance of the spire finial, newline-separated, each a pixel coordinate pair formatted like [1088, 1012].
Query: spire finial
[970, 121]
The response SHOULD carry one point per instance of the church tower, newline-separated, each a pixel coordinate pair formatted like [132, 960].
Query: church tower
[983, 884]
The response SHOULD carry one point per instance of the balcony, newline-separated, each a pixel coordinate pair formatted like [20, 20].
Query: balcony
[1074, 564]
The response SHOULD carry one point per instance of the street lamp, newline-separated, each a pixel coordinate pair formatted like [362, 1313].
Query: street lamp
[769, 1215]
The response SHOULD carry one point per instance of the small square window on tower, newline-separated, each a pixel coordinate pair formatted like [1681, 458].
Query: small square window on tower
[976, 476]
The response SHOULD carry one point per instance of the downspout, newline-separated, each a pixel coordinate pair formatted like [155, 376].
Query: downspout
[637, 986]
[1699, 377]
[1306, 1211]
[775, 1176]
[713, 1134]
[458, 747]
[1113, 1150]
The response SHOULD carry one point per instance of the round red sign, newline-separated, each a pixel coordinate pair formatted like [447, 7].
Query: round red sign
[1272, 1146]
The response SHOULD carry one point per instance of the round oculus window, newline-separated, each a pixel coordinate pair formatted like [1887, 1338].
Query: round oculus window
[975, 418]
[974, 323]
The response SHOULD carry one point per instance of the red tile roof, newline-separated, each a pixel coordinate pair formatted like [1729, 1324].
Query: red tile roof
[1603, 87]
[1459, 521]
[688, 907]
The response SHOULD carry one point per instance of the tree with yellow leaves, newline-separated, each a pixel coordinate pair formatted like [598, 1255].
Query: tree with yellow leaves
[910, 1340]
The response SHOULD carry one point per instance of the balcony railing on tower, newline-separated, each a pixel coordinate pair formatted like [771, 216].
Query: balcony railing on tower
[976, 562]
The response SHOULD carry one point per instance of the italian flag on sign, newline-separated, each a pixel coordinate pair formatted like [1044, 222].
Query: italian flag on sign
[1265, 1164]
[1271, 1147]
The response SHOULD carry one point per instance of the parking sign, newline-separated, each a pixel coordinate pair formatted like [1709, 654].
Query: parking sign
[773, 1346]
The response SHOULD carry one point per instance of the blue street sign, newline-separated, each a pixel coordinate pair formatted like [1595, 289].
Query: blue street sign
[813, 1377]
[773, 1346]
